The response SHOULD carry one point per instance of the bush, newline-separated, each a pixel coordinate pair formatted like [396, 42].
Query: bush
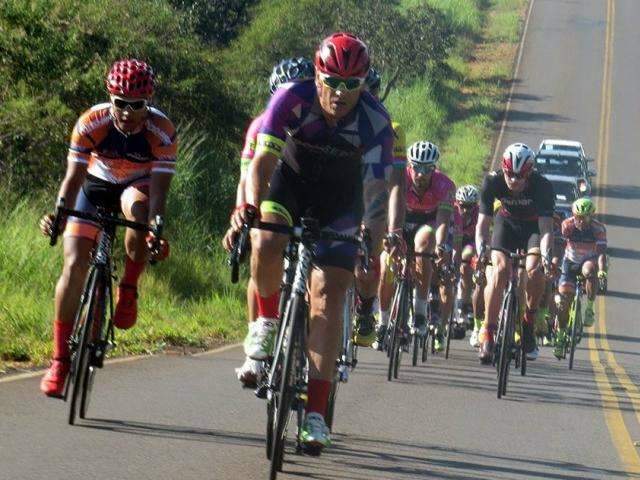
[54, 57]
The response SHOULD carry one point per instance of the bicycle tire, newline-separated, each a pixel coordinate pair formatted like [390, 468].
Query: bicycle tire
[505, 346]
[403, 311]
[286, 391]
[101, 327]
[394, 320]
[416, 349]
[574, 330]
[80, 358]
[449, 333]
[331, 405]
[425, 346]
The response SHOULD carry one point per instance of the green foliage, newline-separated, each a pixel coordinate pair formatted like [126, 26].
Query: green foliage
[412, 42]
[54, 57]
[216, 21]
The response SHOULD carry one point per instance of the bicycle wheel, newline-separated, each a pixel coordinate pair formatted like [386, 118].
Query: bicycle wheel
[505, 341]
[401, 326]
[424, 344]
[449, 334]
[97, 341]
[576, 320]
[331, 405]
[284, 397]
[416, 349]
[80, 339]
[394, 326]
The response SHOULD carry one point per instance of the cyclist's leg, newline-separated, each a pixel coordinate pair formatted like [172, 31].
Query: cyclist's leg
[466, 273]
[134, 204]
[496, 285]
[79, 238]
[566, 290]
[589, 269]
[367, 286]
[385, 293]
[280, 206]
[424, 242]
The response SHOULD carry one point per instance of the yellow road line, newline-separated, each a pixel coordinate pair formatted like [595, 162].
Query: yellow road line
[612, 413]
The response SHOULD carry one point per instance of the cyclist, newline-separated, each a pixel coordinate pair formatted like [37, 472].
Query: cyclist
[524, 221]
[586, 245]
[376, 222]
[288, 70]
[325, 130]
[467, 198]
[430, 197]
[122, 156]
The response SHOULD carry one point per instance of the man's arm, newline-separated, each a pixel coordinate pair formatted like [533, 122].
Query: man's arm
[482, 231]
[443, 218]
[260, 171]
[397, 199]
[73, 180]
[158, 191]
[545, 224]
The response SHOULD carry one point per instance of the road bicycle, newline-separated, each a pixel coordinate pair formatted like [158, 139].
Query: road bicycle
[287, 376]
[92, 336]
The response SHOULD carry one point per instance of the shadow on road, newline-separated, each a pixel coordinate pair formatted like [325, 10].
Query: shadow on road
[610, 219]
[629, 253]
[355, 457]
[624, 192]
[624, 296]
[174, 432]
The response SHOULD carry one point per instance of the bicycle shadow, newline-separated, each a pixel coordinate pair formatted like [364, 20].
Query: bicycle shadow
[355, 457]
[173, 432]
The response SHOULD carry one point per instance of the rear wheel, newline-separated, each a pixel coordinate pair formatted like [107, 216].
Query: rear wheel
[449, 334]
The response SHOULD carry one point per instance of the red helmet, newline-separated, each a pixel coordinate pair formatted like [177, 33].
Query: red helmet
[344, 55]
[131, 78]
[518, 159]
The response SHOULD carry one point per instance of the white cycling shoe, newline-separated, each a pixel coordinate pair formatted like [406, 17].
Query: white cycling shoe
[250, 373]
[258, 343]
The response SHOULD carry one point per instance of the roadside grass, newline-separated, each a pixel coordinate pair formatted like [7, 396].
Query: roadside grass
[187, 301]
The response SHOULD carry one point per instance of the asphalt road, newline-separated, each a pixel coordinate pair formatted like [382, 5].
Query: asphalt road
[185, 417]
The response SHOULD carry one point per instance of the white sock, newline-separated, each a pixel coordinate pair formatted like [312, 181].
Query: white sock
[384, 317]
[419, 304]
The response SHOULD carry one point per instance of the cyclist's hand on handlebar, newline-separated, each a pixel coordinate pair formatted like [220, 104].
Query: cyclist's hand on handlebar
[158, 248]
[229, 239]
[395, 245]
[548, 266]
[602, 274]
[46, 224]
[242, 214]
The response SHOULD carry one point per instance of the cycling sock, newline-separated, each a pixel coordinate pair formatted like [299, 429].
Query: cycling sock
[61, 334]
[477, 323]
[132, 272]
[419, 304]
[318, 396]
[365, 306]
[384, 317]
[268, 306]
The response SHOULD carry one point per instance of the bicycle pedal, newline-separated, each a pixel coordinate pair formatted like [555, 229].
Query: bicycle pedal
[261, 391]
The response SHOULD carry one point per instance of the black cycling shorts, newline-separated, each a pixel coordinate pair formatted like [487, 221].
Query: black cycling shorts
[513, 234]
[336, 209]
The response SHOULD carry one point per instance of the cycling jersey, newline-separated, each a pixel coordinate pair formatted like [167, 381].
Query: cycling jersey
[440, 194]
[537, 199]
[120, 158]
[250, 141]
[583, 244]
[339, 160]
[324, 169]
[468, 222]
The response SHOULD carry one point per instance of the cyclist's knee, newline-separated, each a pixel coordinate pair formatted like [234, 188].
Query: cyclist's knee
[588, 269]
[425, 239]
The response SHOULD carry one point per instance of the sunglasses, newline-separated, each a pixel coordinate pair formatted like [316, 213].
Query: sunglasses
[339, 83]
[133, 105]
[515, 176]
[423, 169]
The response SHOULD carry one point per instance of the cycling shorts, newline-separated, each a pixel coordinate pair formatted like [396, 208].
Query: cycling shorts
[339, 210]
[570, 271]
[100, 193]
[513, 234]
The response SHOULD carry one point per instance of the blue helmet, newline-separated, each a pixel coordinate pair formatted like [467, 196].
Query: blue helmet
[291, 69]
[373, 80]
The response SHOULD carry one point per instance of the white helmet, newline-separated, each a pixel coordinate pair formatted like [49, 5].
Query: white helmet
[467, 194]
[518, 159]
[424, 153]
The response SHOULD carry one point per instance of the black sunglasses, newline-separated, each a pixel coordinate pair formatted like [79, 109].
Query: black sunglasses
[135, 105]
